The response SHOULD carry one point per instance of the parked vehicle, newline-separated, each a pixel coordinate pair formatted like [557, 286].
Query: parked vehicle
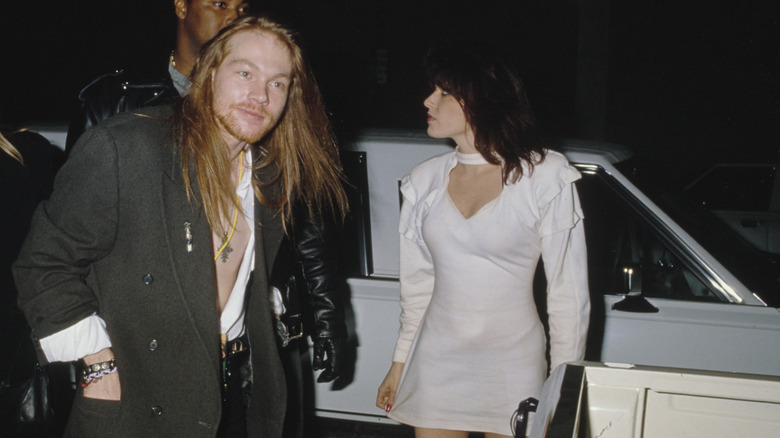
[744, 196]
[589, 399]
[670, 285]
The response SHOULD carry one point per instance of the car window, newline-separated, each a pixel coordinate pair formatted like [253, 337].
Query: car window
[628, 251]
[735, 188]
[758, 270]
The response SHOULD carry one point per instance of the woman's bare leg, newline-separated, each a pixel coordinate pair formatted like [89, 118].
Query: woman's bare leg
[444, 433]
[420, 432]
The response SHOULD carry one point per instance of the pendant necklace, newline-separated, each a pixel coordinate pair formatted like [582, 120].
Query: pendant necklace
[225, 249]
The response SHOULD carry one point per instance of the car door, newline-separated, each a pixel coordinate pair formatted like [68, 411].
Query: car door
[654, 301]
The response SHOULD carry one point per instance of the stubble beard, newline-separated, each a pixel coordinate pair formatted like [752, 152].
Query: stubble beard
[229, 124]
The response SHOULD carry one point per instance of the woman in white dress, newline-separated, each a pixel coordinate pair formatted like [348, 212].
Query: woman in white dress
[474, 224]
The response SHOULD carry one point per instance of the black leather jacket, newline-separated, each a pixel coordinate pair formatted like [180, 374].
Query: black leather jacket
[307, 266]
[315, 254]
[117, 92]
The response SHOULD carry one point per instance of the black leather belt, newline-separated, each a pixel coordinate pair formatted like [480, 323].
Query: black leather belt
[238, 345]
[236, 355]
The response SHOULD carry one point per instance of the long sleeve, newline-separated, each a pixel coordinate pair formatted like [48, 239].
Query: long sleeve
[316, 256]
[74, 228]
[565, 264]
[416, 272]
[87, 336]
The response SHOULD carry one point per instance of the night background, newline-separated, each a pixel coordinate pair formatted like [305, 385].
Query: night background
[684, 78]
[692, 83]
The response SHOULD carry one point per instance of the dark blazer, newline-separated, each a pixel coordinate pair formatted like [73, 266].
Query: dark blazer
[111, 240]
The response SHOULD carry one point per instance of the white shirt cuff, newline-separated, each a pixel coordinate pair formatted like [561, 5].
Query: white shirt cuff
[86, 337]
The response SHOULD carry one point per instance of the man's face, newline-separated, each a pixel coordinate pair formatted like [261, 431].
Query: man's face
[251, 86]
[202, 19]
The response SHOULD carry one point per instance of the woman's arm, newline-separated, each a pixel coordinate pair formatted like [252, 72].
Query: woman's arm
[385, 397]
[568, 301]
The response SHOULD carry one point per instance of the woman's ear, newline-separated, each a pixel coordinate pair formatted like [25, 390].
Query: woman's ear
[180, 7]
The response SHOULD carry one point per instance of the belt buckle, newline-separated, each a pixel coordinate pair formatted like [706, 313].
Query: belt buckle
[235, 346]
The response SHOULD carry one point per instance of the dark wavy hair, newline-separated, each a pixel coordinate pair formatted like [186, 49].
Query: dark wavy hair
[493, 99]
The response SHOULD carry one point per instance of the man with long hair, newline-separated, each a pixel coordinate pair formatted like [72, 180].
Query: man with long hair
[151, 260]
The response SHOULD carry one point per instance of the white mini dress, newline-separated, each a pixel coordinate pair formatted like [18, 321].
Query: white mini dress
[471, 340]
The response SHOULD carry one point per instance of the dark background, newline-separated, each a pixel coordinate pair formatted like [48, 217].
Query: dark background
[684, 78]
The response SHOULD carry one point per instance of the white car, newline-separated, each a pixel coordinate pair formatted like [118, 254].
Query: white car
[588, 399]
[669, 287]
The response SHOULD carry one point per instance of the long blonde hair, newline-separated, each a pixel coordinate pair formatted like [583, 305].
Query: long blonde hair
[301, 151]
[9, 149]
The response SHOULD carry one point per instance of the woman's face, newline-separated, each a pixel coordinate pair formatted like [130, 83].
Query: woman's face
[446, 118]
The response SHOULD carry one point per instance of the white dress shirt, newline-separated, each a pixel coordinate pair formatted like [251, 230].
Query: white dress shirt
[89, 335]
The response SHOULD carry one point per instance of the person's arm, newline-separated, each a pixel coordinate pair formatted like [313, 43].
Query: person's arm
[83, 338]
[385, 396]
[565, 266]
[69, 232]
[415, 268]
[106, 387]
[416, 276]
[316, 255]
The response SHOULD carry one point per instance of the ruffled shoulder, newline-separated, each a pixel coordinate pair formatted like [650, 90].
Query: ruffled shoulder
[552, 175]
[556, 196]
[419, 189]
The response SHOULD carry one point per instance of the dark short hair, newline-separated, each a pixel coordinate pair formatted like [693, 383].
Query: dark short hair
[493, 99]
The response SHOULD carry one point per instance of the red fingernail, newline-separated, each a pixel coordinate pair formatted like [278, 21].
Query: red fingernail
[388, 407]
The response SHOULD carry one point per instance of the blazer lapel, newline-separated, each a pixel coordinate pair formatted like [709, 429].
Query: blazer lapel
[188, 239]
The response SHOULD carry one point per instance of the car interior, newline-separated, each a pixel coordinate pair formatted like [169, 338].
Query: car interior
[627, 253]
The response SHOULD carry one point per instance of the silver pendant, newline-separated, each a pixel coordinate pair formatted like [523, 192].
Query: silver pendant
[188, 235]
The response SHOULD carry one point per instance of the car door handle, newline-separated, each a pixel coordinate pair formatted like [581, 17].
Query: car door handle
[634, 304]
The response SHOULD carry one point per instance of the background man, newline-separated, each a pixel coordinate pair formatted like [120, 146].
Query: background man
[151, 259]
[197, 21]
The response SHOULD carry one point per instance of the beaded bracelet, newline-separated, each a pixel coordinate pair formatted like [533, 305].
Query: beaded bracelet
[96, 371]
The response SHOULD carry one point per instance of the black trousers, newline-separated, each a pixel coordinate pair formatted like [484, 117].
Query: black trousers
[234, 397]
[294, 417]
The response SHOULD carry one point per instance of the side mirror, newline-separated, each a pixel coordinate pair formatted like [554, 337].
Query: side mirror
[633, 301]
[635, 304]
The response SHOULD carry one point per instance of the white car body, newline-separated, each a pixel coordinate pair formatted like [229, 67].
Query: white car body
[737, 332]
[589, 399]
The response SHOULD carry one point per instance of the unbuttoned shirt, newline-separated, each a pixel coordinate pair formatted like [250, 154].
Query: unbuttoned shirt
[89, 335]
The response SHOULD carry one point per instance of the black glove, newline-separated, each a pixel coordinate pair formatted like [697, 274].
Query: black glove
[334, 348]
